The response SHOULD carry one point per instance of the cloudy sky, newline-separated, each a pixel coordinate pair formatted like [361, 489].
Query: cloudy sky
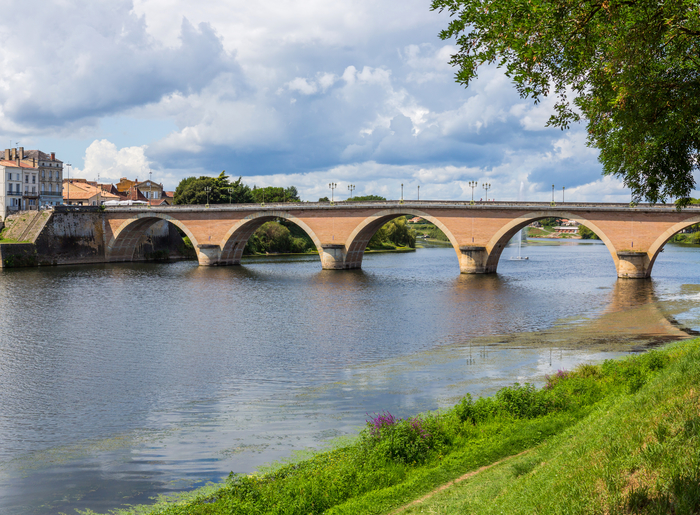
[283, 92]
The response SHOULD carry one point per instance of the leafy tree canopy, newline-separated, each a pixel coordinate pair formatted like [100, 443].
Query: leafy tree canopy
[192, 190]
[275, 194]
[586, 233]
[628, 67]
[365, 198]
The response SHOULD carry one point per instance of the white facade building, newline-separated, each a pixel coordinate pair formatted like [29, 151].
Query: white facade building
[11, 181]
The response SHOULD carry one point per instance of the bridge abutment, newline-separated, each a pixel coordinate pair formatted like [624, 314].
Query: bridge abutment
[632, 265]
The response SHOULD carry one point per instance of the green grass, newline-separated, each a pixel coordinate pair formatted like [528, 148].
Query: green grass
[539, 232]
[430, 230]
[9, 240]
[621, 437]
[634, 453]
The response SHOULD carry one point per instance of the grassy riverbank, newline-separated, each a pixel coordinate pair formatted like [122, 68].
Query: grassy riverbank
[620, 437]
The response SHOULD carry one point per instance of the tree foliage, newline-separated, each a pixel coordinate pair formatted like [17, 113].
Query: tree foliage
[365, 198]
[551, 222]
[392, 234]
[586, 233]
[279, 237]
[273, 194]
[630, 68]
[192, 190]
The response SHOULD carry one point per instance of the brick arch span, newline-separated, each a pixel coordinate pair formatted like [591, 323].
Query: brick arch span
[498, 241]
[234, 241]
[659, 243]
[122, 245]
[357, 241]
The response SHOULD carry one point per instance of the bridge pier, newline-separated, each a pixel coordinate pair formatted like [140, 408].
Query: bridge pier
[209, 254]
[333, 256]
[473, 259]
[632, 265]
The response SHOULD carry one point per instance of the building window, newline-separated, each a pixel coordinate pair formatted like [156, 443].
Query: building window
[17, 189]
[43, 174]
[33, 179]
[33, 189]
[26, 179]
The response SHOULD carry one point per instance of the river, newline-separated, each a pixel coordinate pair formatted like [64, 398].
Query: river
[122, 382]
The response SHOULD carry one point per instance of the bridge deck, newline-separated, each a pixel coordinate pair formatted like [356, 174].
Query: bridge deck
[393, 204]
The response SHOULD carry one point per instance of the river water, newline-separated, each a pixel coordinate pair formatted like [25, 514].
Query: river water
[122, 382]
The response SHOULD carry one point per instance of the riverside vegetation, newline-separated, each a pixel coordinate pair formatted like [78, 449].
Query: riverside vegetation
[619, 437]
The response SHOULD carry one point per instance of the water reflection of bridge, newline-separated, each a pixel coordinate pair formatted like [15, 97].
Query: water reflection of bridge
[632, 318]
[634, 235]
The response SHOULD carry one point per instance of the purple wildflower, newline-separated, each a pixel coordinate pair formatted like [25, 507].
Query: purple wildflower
[552, 380]
[417, 427]
[379, 421]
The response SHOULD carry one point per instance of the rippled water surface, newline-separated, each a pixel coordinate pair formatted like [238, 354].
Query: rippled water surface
[121, 382]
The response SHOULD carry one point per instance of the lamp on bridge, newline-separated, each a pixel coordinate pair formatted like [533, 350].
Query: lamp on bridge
[68, 165]
[553, 204]
[230, 195]
[563, 188]
[332, 186]
[401, 193]
[207, 189]
[419, 192]
[487, 186]
[472, 185]
[351, 188]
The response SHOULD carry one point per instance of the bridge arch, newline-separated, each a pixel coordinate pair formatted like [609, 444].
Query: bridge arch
[122, 245]
[234, 241]
[498, 241]
[357, 242]
[658, 245]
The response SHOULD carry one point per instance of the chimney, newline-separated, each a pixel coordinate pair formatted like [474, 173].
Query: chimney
[13, 153]
[7, 154]
[21, 152]
[53, 156]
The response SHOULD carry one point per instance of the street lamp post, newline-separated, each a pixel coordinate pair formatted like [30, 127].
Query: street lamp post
[552, 194]
[487, 186]
[563, 188]
[230, 195]
[351, 188]
[419, 192]
[99, 189]
[68, 165]
[332, 186]
[472, 185]
[207, 189]
[401, 193]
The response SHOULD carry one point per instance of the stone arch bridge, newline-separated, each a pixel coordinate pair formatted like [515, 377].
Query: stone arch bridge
[634, 234]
